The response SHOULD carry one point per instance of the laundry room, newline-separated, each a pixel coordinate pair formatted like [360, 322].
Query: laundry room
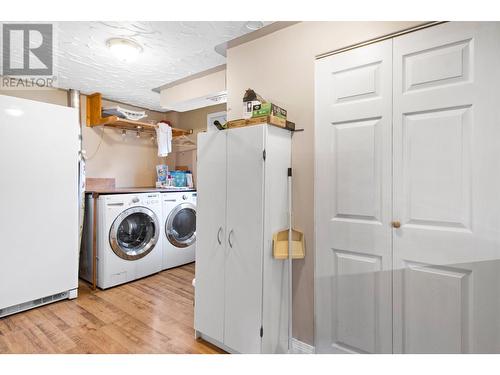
[261, 184]
[134, 170]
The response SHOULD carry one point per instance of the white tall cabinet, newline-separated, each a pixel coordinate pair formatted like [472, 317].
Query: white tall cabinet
[241, 295]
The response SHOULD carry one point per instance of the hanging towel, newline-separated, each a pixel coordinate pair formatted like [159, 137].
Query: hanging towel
[164, 138]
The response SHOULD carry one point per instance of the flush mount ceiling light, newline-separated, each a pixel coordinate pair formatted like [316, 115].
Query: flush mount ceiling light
[14, 112]
[254, 25]
[124, 49]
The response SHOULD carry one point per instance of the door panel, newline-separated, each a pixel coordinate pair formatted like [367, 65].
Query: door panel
[210, 232]
[243, 312]
[442, 65]
[357, 83]
[446, 183]
[436, 168]
[436, 307]
[356, 300]
[357, 194]
[353, 201]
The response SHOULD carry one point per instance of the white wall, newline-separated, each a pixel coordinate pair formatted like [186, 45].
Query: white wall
[130, 160]
[280, 67]
[196, 120]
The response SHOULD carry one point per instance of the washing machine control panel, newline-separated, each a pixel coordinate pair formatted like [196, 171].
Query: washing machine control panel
[152, 199]
[149, 199]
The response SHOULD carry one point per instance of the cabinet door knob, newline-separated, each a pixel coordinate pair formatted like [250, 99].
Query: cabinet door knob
[396, 224]
[218, 236]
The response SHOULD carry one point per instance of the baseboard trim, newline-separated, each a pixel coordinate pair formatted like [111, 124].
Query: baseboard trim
[199, 335]
[299, 347]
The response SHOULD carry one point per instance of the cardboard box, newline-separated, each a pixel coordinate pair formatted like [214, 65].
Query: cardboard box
[268, 109]
[272, 120]
[248, 108]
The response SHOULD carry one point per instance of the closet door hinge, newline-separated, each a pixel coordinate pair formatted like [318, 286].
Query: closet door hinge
[264, 155]
[261, 331]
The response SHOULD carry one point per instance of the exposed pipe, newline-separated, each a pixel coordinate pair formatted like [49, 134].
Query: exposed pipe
[74, 100]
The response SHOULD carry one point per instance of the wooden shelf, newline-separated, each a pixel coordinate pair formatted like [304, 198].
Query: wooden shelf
[94, 111]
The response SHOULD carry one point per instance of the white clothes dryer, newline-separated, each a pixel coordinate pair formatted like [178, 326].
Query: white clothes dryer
[179, 228]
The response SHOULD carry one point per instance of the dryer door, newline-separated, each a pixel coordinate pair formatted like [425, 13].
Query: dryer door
[180, 227]
[134, 233]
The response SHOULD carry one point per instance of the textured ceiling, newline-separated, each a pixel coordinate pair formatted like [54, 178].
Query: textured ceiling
[171, 51]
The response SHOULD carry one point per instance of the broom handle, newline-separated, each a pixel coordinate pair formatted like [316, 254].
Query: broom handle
[290, 257]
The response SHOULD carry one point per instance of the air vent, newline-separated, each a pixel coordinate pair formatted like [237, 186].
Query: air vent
[31, 304]
[222, 98]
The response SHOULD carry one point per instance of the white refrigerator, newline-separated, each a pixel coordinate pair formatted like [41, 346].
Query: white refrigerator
[39, 148]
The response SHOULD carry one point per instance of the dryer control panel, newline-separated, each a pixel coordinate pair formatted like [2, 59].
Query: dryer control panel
[145, 199]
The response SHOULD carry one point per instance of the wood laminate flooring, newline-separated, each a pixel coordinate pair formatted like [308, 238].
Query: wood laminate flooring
[151, 315]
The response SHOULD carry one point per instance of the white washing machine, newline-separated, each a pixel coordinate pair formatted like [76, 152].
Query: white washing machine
[128, 238]
[179, 228]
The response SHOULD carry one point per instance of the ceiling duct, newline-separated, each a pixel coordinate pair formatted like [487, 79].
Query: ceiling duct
[196, 91]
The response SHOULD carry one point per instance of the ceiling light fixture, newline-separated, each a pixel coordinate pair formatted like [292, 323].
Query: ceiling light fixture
[14, 112]
[124, 49]
[254, 25]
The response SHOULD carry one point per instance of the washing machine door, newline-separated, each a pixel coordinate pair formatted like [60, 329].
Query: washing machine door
[180, 226]
[134, 233]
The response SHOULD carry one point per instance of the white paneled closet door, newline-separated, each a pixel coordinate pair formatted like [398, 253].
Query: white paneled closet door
[211, 234]
[446, 189]
[353, 201]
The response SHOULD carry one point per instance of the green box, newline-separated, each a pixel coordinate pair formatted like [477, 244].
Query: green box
[268, 109]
